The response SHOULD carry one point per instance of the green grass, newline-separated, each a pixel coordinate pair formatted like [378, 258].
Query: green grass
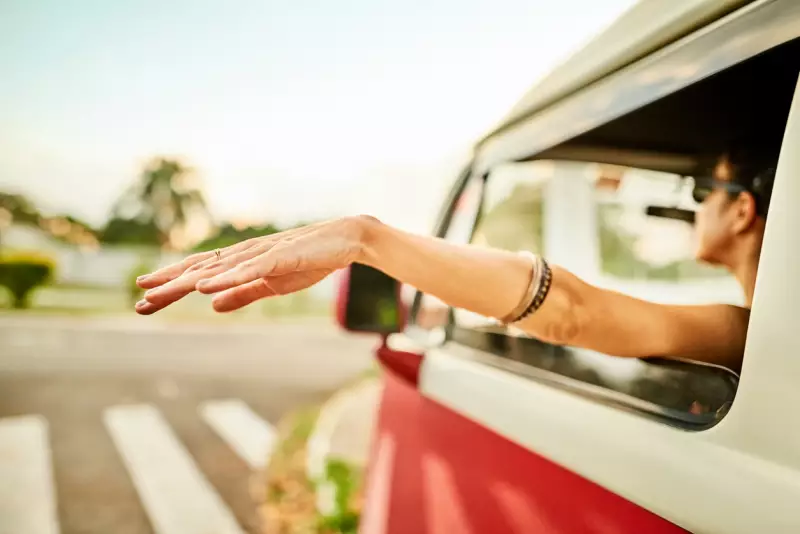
[87, 301]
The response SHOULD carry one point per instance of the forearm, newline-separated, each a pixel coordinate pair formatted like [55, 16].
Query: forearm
[492, 282]
[487, 281]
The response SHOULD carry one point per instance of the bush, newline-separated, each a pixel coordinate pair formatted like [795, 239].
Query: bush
[22, 272]
[346, 480]
[134, 291]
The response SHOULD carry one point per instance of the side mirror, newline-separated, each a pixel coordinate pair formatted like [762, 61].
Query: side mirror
[369, 301]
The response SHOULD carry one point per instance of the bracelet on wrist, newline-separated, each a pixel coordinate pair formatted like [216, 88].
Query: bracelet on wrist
[536, 291]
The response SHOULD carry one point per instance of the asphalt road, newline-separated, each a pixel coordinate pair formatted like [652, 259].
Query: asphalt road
[134, 426]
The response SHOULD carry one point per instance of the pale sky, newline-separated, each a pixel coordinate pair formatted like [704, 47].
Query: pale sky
[287, 110]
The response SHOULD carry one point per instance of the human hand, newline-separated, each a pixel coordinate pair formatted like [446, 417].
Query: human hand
[267, 266]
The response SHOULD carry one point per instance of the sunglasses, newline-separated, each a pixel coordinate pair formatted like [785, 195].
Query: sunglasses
[704, 186]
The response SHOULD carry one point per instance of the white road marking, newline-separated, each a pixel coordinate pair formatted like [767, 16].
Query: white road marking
[245, 432]
[27, 496]
[177, 497]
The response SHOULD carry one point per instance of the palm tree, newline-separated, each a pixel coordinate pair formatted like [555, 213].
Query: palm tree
[167, 197]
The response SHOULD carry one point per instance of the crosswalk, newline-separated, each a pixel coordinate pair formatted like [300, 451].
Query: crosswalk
[244, 431]
[27, 501]
[175, 494]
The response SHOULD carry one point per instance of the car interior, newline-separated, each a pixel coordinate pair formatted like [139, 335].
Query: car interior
[684, 133]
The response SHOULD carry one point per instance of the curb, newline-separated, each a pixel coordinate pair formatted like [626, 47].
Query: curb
[343, 431]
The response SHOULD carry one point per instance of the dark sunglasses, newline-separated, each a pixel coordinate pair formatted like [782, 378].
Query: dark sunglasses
[704, 186]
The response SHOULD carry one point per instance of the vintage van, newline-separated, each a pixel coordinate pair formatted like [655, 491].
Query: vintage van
[484, 430]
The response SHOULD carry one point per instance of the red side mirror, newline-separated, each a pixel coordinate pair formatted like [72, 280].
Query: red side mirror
[369, 301]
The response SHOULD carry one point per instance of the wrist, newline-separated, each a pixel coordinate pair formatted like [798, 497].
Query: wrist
[368, 229]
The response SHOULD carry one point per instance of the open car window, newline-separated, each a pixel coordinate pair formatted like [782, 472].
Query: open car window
[612, 241]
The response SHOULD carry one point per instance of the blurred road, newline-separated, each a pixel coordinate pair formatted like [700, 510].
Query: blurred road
[136, 426]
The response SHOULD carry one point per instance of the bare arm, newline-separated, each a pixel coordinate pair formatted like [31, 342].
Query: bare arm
[491, 282]
[486, 281]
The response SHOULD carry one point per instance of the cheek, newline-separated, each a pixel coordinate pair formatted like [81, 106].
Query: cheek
[699, 221]
[701, 225]
[707, 236]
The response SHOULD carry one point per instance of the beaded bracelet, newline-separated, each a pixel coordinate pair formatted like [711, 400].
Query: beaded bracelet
[541, 293]
[538, 287]
[530, 290]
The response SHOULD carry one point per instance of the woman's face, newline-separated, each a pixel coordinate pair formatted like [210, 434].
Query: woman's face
[714, 222]
[713, 228]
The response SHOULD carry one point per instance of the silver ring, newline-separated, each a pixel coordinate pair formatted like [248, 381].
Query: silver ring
[218, 254]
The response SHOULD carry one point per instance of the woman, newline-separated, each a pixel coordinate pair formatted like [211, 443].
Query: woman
[547, 302]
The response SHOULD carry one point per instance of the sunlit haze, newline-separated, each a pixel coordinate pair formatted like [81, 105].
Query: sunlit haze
[287, 110]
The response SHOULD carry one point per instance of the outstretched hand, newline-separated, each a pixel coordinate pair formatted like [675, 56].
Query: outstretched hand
[261, 267]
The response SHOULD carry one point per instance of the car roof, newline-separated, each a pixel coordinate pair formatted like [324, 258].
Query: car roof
[644, 28]
[665, 86]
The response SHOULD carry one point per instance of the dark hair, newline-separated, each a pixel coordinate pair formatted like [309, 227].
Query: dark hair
[761, 189]
[753, 168]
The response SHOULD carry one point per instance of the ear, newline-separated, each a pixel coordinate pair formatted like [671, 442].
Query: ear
[744, 212]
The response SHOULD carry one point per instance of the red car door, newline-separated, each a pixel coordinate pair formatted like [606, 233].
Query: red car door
[433, 471]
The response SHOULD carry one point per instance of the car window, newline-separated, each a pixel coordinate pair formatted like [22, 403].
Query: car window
[512, 213]
[651, 257]
[608, 238]
[511, 218]
[429, 315]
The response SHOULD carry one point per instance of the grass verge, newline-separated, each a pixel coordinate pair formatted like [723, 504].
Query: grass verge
[288, 499]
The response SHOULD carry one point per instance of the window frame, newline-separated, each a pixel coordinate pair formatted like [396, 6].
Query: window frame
[442, 226]
[453, 334]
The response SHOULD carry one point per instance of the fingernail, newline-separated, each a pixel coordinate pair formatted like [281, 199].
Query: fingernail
[143, 277]
[141, 303]
[150, 292]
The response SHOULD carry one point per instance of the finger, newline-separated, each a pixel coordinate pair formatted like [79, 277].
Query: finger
[145, 308]
[170, 272]
[181, 286]
[240, 296]
[202, 259]
[193, 262]
[286, 257]
[244, 273]
[228, 252]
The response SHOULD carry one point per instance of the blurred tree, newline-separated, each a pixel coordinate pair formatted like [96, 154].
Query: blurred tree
[69, 229]
[120, 231]
[229, 234]
[166, 198]
[516, 222]
[19, 207]
[617, 246]
[80, 223]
